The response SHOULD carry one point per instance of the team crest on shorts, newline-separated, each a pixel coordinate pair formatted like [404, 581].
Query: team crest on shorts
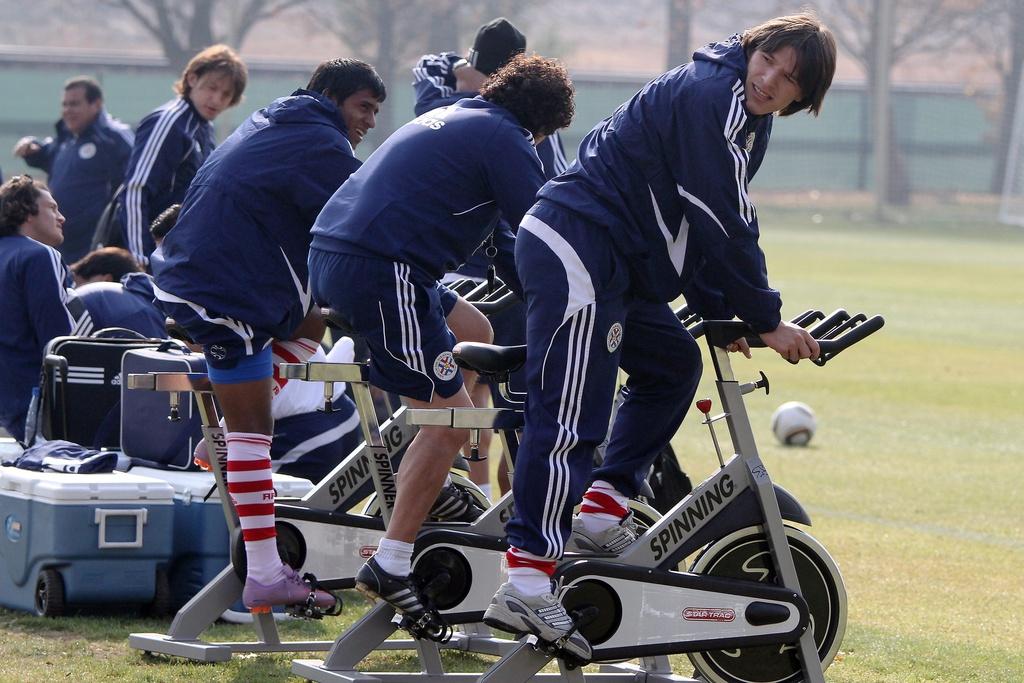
[444, 366]
[217, 351]
[614, 337]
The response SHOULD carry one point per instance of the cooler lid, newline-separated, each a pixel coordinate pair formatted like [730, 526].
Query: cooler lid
[58, 487]
[201, 484]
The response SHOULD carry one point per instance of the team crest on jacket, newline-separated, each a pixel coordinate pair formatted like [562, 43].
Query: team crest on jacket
[87, 151]
[444, 366]
[750, 143]
[614, 337]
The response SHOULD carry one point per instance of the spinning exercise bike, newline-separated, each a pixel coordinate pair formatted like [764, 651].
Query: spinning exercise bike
[329, 532]
[763, 601]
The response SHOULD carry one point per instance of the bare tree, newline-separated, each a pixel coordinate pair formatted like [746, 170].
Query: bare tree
[680, 32]
[999, 34]
[183, 27]
[922, 27]
[389, 34]
[392, 34]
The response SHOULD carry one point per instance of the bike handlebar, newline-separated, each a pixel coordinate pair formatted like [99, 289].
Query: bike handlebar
[834, 334]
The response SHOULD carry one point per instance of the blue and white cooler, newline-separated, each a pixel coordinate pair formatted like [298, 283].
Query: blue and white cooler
[74, 540]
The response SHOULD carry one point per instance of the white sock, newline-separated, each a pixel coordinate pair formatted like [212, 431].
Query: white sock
[603, 507]
[529, 582]
[526, 572]
[394, 557]
[251, 487]
[263, 562]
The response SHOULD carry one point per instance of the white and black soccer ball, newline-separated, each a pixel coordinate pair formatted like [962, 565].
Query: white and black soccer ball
[793, 423]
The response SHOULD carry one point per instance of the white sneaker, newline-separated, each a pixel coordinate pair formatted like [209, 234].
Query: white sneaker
[542, 615]
[614, 539]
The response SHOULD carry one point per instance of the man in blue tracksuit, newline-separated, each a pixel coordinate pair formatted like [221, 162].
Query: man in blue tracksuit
[422, 203]
[232, 271]
[85, 162]
[128, 304]
[173, 141]
[441, 80]
[34, 305]
[655, 206]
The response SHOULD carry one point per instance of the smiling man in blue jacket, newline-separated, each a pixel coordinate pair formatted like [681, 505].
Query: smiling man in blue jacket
[656, 205]
[232, 271]
[85, 162]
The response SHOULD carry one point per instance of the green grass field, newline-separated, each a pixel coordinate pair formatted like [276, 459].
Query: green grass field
[912, 479]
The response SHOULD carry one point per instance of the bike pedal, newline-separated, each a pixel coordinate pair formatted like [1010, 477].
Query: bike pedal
[304, 612]
[430, 626]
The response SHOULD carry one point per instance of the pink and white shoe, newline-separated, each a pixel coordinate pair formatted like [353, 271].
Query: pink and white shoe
[200, 456]
[290, 590]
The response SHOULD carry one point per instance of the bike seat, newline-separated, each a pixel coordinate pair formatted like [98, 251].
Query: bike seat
[489, 359]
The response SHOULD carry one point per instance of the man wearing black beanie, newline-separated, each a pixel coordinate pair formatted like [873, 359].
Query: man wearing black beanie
[445, 78]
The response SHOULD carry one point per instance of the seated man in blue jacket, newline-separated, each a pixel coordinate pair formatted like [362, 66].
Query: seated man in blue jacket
[232, 271]
[34, 305]
[656, 205]
[85, 162]
[421, 204]
[114, 291]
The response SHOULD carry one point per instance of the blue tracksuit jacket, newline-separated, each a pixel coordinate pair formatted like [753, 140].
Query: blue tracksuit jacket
[241, 243]
[667, 176]
[434, 82]
[435, 189]
[171, 143]
[34, 310]
[128, 304]
[84, 172]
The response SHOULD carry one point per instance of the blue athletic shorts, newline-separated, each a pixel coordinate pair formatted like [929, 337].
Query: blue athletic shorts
[226, 342]
[399, 314]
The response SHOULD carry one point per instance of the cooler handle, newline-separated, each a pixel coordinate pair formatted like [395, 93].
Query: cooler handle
[101, 519]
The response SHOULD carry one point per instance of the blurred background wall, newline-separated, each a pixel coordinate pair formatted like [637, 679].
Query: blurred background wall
[924, 98]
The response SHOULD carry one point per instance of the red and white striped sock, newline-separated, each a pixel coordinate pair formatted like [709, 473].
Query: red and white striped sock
[251, 485]
[603, 506]
[529, 574]
[291, 351]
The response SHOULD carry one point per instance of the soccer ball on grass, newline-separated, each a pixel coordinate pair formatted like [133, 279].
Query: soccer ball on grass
[793, 423]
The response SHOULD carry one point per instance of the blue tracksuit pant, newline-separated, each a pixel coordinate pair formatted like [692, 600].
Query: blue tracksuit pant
[582, 325]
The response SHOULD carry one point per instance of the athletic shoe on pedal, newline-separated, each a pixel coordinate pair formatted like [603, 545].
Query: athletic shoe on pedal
[398, 591]
[614, 539]
[290, 590]
[455, 504]
[542, 615]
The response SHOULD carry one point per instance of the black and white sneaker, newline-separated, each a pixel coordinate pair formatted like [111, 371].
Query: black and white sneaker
[455, 504]
[398, 591]
[542, 615]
